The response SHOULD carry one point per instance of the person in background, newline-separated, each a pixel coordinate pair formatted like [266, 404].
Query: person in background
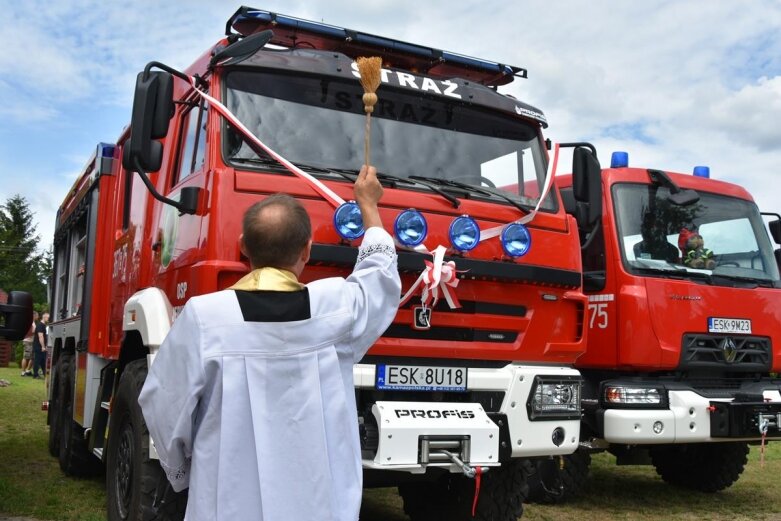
[39, 346]
[26, 364]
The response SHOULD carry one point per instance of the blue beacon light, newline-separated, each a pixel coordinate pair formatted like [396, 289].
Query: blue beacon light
[348, 221]
[619, 160]
[702, 171]
[410, 227]
[516, 240]
[464, 233]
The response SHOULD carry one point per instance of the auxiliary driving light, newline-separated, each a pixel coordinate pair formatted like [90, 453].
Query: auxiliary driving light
[348, 221]
[464, 233]
[516, 240]
[410, 227]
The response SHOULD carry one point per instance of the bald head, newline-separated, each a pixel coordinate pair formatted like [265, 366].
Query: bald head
[276, 232]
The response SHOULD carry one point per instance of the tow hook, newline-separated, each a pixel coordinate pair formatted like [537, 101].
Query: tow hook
[470, 472]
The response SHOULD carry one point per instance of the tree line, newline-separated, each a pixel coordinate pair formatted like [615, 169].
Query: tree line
[23, 265]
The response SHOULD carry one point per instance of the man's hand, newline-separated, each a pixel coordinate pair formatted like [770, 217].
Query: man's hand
[368, 192]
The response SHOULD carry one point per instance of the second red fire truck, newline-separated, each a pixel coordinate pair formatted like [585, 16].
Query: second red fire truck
[684, 319]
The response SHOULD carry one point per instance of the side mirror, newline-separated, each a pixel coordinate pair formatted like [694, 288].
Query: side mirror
[153, 108]
[684, 197]
[587, 187]
[17, 315]
[188, 199]
[243, 49]
[775, 230]
[777, 253]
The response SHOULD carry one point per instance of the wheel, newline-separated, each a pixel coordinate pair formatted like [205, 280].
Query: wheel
[502, 493]
[137, 487]
[558, 479]
[707, 467]
[73, 454]
[55, 414]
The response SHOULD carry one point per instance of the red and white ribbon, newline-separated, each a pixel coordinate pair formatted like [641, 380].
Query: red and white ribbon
[438, 276]
[316, 184]
[551, 173]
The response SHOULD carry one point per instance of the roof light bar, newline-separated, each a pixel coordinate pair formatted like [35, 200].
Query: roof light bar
[247, 20]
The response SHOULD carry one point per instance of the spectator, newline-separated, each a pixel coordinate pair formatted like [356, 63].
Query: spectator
[26, 364]
[39, 346]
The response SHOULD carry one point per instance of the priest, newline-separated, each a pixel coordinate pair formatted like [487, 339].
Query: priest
[250, 399]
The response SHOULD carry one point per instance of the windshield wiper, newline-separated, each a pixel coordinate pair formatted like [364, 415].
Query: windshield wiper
[674, 272]
[756, 281]
[258, 160]
[391, 180]
[490, 192]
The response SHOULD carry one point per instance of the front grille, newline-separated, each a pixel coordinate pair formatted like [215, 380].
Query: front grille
[730, 353]
[454, 334]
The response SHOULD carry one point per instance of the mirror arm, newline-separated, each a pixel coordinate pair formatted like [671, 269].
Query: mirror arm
[176, 204]
[580, 144]
[166, 68]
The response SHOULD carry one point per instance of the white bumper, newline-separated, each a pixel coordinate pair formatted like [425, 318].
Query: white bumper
[686, 421]
[526, 437]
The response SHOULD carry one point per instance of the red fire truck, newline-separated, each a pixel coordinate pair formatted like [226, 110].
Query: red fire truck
[684, 322]
[155, 219]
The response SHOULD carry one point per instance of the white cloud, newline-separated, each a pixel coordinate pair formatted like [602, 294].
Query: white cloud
[752, 115]
[675, 83]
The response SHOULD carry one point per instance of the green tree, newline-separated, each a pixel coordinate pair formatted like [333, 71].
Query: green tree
[22, 266]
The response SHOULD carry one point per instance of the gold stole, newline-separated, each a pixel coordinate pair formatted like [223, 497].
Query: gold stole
[268, 279]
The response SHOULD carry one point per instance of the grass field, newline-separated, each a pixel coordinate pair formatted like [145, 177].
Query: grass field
[31, 483]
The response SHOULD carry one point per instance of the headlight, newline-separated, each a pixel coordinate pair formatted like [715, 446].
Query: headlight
[348, 221]
[554, 398]
[410, 227]
[627, 395]
[464, 233]
[516, 240]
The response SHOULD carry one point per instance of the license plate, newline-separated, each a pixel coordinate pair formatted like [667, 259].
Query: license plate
[738, 326]
[421, 378]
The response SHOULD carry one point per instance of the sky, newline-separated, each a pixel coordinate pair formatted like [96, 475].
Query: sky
[674, 83]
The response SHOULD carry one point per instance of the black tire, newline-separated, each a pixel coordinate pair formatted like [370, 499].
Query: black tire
[558, 479]
[73, 454]
[502, 493]
[707, 467]
[137, 487]
[55, 412]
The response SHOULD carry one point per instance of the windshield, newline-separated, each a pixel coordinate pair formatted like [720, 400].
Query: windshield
[716, 238]
[319, 122]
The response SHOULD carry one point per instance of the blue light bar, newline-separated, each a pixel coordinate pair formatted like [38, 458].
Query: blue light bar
[464, 233]
[702, 171]
[342, 36]
[348, 221]
[410, 227]
[619, 160]
[516, 240]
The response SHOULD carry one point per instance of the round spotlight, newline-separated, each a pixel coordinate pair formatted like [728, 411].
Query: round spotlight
[658, 427]
[348, 221]
[516, 240]
[464, 233]
[410, 227]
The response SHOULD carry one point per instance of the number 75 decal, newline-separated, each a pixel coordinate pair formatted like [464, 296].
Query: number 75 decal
[598, 315]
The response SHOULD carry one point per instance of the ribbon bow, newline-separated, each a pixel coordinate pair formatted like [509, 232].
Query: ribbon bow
[437, 276]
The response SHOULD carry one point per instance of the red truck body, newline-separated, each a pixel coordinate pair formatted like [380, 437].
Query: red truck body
[126, 260]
